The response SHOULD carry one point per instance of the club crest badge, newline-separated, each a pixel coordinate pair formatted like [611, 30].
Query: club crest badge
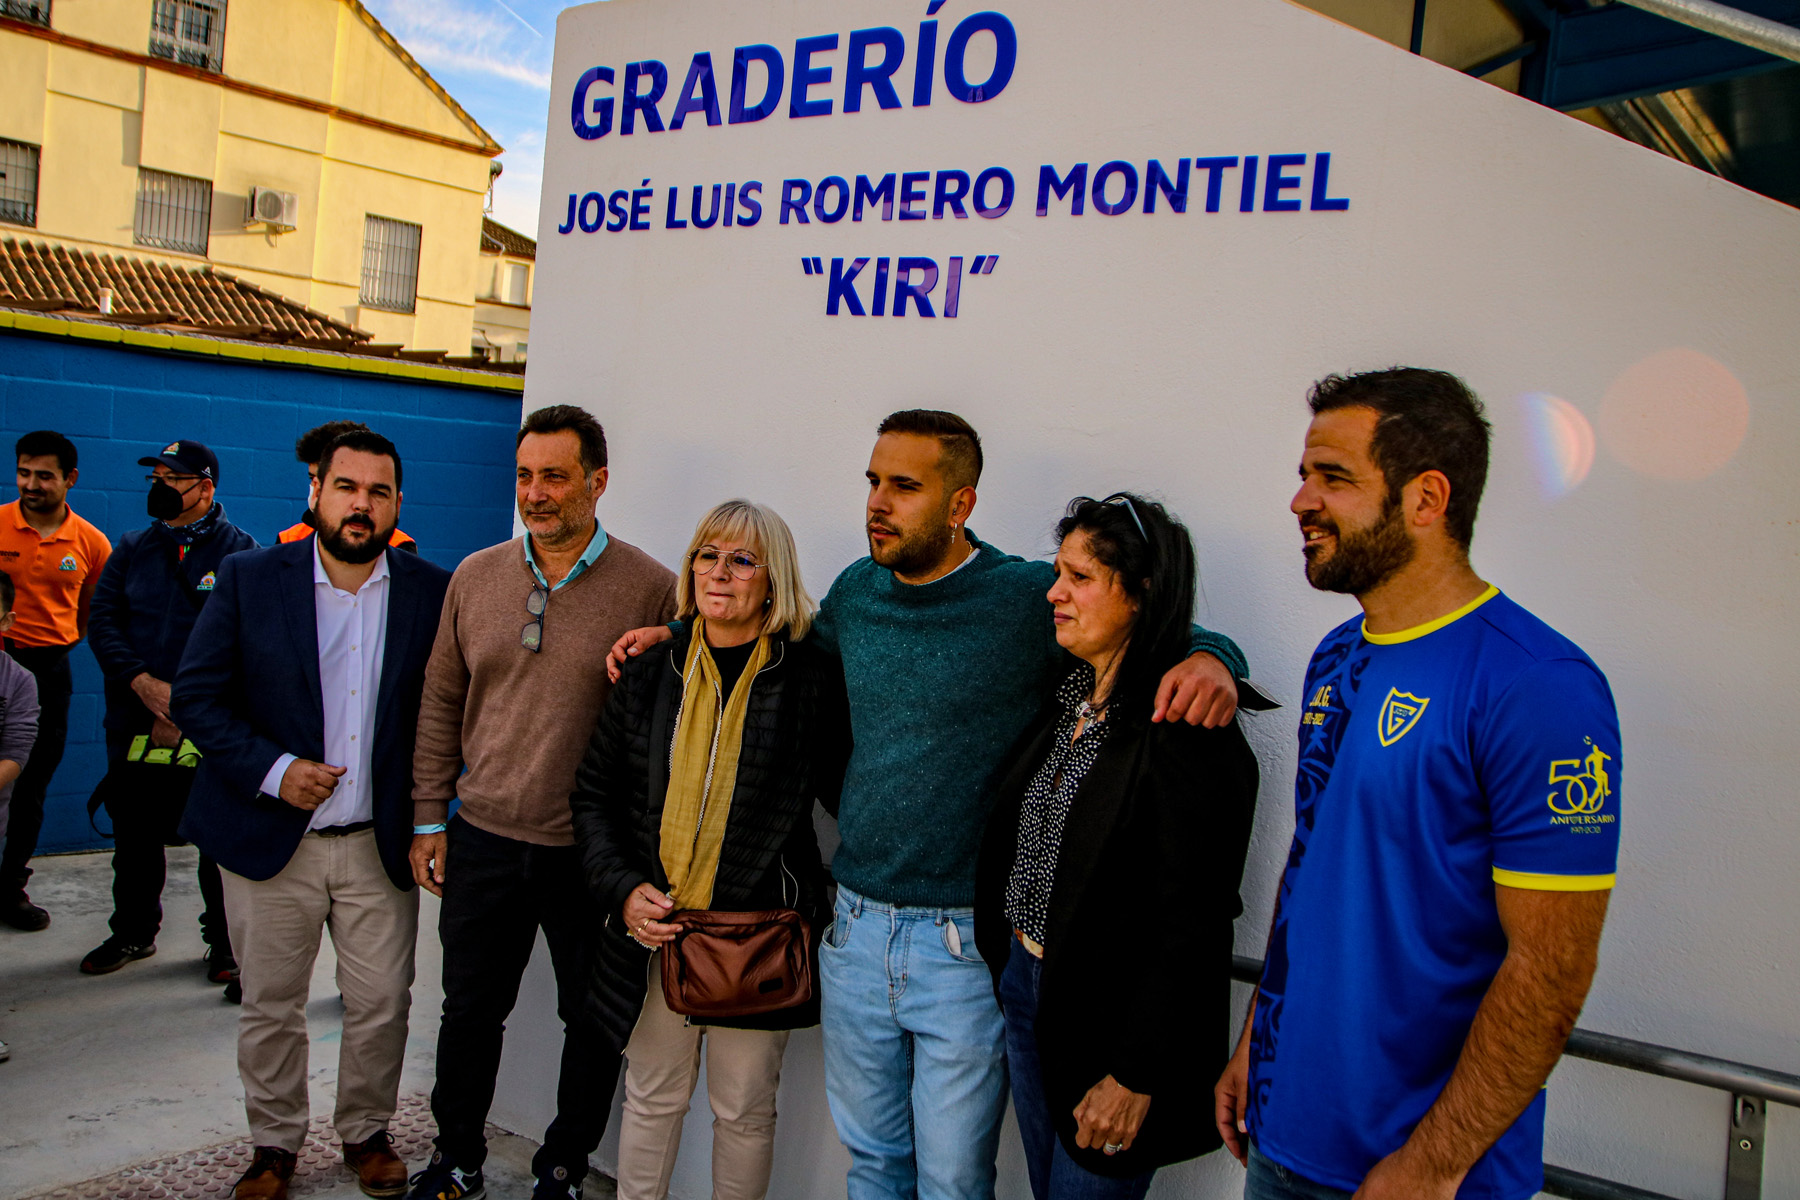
[68, 563]
[206, 582]
[1399, 713]
[172, 448]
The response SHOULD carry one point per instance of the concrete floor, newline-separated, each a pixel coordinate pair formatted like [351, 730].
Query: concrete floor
[117, 1078]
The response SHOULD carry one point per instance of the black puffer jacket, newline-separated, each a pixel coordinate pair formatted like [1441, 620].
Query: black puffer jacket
[796, 742]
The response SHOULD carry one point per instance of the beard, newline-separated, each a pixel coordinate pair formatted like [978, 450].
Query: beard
[918, 552]
[356, 553]
[1365, 558]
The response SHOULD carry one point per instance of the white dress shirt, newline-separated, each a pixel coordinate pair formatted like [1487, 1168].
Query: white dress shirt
[352, 630]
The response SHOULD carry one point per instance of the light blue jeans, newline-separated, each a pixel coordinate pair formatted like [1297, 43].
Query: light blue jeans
[915, 1051]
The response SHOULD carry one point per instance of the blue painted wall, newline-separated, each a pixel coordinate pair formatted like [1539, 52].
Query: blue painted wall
[119, 404]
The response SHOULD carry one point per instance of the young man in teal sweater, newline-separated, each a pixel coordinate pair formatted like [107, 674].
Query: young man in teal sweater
[949, 651]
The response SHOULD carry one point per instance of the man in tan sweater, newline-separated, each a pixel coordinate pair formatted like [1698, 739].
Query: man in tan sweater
[514, 689]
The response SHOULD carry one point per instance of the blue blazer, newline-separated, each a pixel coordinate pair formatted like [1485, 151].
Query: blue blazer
[248, 691]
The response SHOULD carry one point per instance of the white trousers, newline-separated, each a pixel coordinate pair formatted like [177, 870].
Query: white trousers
[743, 1072]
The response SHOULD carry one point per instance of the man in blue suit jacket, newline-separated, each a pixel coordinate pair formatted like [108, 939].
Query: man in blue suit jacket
[301, 687]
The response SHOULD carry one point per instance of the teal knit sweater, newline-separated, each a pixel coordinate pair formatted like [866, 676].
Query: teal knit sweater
[943, 677]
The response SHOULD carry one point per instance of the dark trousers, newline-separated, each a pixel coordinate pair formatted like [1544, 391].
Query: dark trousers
[50, 666]
[1054, 1174]
[143, 824]
[497, 894]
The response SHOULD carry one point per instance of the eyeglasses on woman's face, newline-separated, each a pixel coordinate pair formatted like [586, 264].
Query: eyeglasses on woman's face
[741, 563]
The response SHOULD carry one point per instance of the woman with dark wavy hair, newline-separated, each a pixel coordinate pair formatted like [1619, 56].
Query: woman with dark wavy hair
[1109, 873]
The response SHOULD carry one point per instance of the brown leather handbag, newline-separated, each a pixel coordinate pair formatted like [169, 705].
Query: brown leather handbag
[737, 964]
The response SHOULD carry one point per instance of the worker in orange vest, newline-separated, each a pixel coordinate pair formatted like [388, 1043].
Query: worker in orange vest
[309, 449]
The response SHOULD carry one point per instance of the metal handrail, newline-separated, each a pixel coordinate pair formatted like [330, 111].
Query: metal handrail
[1740, 1079]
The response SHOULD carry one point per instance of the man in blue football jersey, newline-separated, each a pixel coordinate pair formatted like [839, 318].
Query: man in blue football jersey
[1456, 834]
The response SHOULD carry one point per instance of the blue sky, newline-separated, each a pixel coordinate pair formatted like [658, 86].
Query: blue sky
[494, 57]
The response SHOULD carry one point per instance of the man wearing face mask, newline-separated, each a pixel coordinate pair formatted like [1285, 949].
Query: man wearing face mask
[149, 596]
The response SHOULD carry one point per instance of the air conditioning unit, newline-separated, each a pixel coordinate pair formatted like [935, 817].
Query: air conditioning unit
[278, 210]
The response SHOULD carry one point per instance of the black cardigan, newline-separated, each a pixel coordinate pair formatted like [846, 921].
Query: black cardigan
[1136, 978]
[796, 742]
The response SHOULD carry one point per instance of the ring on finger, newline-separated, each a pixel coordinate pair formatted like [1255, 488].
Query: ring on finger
[1112, 1147]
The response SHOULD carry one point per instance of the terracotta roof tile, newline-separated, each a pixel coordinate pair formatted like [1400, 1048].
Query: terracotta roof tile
[200, 297]
[498, 239]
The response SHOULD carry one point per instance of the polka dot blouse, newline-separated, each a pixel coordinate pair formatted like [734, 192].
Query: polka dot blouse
[1046, 807]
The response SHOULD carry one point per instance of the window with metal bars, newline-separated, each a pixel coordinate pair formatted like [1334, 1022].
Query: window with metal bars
[18, 183]
[188, 31]
[35, 11]
[173, 212]
[390, 271]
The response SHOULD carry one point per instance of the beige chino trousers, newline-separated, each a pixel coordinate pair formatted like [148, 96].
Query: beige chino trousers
[336, 883]
[743, 1073]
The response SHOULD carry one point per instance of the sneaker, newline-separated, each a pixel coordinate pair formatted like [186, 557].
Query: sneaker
[441, 1181]
[18, 911]
[112, 954]
[5, 1051]
[221, 967]
[379, 1171]
[267, 1178]
[560, 1184]
[234, 992]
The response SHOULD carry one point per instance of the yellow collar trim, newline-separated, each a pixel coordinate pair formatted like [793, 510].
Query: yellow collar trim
[1419, 631]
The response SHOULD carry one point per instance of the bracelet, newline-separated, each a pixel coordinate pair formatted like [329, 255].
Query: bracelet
[422, 830]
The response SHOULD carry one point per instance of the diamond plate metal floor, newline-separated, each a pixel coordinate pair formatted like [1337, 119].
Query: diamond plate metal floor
[212, 1171]
[209, 1174]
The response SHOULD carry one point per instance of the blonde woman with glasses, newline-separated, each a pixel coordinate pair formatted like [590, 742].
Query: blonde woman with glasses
[695, 800]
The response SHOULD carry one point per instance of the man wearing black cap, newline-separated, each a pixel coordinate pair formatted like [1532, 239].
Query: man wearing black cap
[149, 596]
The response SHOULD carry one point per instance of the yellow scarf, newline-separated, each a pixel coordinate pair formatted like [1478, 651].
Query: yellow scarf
[703, 770]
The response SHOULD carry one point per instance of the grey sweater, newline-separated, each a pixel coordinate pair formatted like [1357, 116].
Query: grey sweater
[18, 721]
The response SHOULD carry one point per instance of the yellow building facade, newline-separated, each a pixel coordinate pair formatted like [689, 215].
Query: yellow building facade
[143, 126]
[507, 271]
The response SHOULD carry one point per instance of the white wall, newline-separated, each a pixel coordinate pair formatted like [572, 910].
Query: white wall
[1526, 251]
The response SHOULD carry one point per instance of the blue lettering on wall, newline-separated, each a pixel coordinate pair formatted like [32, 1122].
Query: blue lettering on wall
[592, 117]
[1004, 178]
[602, 109]
[645, 103]
[841, 287]
[915, 278]
[1104, 176]
[912, 191]
[883, 193]
[599, 203]
[807, 76]
[794, 195]
[712, 217]
[927, 58]
[700, 75]
[1321, 182]
[1175, 190]
[952, 186]
[1006, 55]
[1215, 169]
[1279, 181]
[741, 58]
[1049, 182]
[858, 74]
[833, 215]
[752, 209]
